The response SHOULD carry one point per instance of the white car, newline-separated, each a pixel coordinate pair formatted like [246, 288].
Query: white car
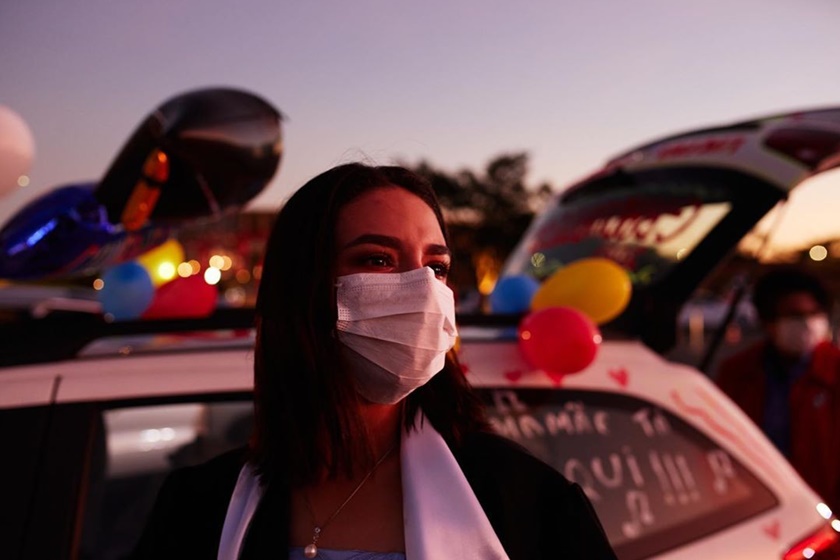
[673, 468]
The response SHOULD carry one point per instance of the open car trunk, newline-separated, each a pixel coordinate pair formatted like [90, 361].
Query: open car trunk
[670, 211]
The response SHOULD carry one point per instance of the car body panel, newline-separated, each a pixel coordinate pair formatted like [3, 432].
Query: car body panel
[141, 376]
[746, 146]
[27, 386]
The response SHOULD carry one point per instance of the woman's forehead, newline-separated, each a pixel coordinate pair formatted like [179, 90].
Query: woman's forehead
[392, 211]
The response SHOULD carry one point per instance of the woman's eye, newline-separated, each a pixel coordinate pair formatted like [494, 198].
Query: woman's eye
[441, 270]
[377, 261]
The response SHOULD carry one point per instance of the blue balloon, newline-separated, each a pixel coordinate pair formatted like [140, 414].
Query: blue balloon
[66, 231]
[513, 294]
[128, 291]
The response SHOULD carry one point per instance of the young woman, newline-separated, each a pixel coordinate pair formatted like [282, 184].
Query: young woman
[368, 441]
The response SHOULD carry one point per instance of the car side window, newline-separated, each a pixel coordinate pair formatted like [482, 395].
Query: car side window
[142, 444]
[655, 481]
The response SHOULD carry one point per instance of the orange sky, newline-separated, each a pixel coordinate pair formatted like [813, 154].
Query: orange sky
[811, 215]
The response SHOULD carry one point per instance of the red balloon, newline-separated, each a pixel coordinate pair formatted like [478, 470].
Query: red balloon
[183, 298]
[559, 340]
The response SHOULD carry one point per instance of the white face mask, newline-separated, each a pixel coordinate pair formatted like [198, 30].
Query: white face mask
[396, 330]
[799, 335]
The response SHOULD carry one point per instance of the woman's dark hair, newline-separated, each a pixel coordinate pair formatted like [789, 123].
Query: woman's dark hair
[782, 282]
[306, 406]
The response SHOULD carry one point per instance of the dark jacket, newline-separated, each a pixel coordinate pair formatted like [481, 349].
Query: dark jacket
[535, 512]
[814, 411]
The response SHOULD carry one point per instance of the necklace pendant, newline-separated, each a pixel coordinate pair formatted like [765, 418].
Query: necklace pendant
[311, 551]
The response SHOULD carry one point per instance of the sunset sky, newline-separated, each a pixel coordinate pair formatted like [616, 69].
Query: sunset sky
[456, 83]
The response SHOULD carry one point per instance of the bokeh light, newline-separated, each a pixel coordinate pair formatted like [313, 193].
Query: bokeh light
[824, 510]
[818, 253]
[217, 261]
[235, 296]
[166, 270]
[212, 275]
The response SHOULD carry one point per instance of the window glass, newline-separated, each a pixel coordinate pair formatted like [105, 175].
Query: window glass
[142, 444]
[655, 481]
[802, 231]
[807, 219]
[646, 227]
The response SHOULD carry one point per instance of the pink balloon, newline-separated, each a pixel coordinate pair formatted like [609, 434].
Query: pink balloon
[183, 298]
[16, 149]
[559, 340]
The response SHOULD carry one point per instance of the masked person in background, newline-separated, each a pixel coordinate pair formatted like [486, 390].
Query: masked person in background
[789, 382]
[368, 441]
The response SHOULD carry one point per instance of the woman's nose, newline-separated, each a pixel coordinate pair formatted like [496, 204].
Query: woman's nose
[411, 262]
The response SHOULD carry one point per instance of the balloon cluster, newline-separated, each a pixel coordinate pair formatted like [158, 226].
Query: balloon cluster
[560, 334]
[150, 288]
[195, 157]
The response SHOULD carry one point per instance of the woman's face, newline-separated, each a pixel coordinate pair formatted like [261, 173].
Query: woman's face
[389, 230]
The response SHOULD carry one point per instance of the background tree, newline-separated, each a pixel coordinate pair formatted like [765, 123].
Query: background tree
[486, 213]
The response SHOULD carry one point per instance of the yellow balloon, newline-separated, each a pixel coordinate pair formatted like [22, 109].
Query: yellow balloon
[162, 262]
[597, 287]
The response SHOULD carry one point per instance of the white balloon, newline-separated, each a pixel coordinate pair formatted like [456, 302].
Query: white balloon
[17, 149]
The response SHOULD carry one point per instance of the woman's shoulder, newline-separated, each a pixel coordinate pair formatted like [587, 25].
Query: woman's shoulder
[534, 509]
[495, 453]
[224, 465]
[497, 466]
[190, 509]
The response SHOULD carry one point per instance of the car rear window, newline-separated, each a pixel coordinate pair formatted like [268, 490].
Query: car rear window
[646, 225]
[655, 481]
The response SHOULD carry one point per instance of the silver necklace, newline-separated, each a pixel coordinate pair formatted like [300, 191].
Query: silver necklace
[311, 550]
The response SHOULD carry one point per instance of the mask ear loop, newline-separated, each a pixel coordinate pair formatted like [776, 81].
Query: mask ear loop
[334, 329]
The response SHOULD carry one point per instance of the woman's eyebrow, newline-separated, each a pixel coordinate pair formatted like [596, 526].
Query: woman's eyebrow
[394, 243]
[438, 250]
[375, 239]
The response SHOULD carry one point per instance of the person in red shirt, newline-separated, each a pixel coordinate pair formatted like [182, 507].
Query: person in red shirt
[789, 382]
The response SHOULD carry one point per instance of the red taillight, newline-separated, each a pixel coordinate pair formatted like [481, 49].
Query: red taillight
[824, 544]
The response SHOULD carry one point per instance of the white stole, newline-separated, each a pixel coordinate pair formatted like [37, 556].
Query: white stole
[442, 517]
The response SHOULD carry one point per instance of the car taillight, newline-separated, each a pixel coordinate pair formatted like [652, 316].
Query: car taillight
[823, 544]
